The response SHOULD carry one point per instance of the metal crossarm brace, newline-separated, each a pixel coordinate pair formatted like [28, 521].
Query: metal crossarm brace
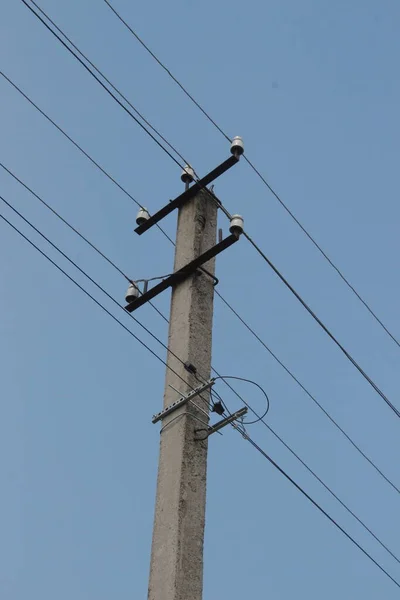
[183, 400]
[214, 428]
[182, 273]
[187, 195]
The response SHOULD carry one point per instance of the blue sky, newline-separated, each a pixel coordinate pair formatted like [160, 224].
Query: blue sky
[313, 88]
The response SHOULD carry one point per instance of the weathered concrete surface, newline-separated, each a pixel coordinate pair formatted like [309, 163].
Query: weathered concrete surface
[176, 571]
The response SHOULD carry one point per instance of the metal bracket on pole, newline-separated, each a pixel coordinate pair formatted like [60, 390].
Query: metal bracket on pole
[182, 401]
[205, 433]
[188, 194]
[182, 273]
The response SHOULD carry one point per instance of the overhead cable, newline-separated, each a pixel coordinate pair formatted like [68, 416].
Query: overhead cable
[315, 504]
[91, 63]
[302, 462]
[223, 378]
[69, 138]
[229, 306]
[258, 173]
[103, 85]
[321, 324]
[94, 282]
[352, 360]
[302, 386]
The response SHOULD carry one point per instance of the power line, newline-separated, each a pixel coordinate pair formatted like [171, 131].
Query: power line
[101, 83]
[313, 473]
[84, 291]
[259, 417]
[91, 63]
[223, 378]
[324, 254]
[163, 316]
[164, 362]
[314, 503]
[246, 435]
[227, 304]
[69, 138]
[93, 281]
[65, 222]
[362, 372]
[289, 372]
[356, 365]
[30, 190]
[103, 171]
[86, 275]
[219, 204]
[99, 287]
[258, 173]
[167, 70]
[321, 324]
[115, 182]
[81, 270]
[159, 358]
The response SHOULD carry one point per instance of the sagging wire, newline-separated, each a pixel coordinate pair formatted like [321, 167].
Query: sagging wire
[260, 418]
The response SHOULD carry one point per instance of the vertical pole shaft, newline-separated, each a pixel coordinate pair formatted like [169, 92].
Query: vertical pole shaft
[176, 571]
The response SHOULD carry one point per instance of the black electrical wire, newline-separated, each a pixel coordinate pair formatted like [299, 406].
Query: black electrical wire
[99, 287]
[179, 165]
[332, 492]
[362, 372]
[202, 380]
[313, 398]
[242, 430]
[314, 503]
[259, 418]
[30, 190]
[101, 83]
[81, 270]
[356, 365]
[313, 473]
[65, 222]
[257, 172]
[91, 63]
[321, 324]
[219, 204]
[69, 138]
[228, 305]
[324, 254]
[165, 69]
[216, 291]
[113, 180]
[85, 292]
[223, 378]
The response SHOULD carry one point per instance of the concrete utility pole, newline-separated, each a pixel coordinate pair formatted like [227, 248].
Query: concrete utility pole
[176, 571]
